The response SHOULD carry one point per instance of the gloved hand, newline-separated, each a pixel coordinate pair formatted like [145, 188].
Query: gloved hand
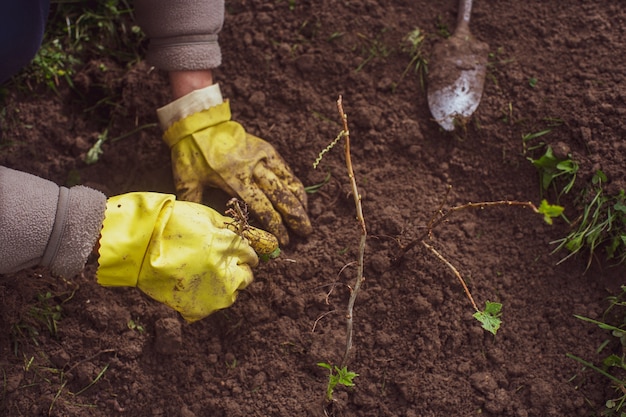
[208, 149]
[179, 253]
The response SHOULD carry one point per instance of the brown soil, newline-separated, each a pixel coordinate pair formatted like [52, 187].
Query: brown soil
[417, 349]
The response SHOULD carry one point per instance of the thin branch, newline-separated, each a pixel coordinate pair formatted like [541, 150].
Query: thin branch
[455, 271]
[332, 287]
[321, 316]
[436, 221]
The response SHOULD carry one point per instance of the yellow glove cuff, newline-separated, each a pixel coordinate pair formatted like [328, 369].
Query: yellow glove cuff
[126, 232]
[196, 122]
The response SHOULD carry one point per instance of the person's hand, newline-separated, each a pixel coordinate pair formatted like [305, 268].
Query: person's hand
[182, 254]
[208, 149]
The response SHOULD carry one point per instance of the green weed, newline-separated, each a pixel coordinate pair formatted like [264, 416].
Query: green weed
[53, 63]
[602, 218]
[613, 365]
[39, 369]
[337, 376]
[528, 137]
[372, 48]
[78, 31]
[312, 189]
[601, 224]
[552, 168]
[413, 45]
[93, 154]
[135, 325]
[443, 29]
[47, 312]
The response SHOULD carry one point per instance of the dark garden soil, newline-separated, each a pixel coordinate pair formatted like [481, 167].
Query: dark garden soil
[417, 349]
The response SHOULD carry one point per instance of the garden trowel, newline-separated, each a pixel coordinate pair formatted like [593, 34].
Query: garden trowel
[456, 75]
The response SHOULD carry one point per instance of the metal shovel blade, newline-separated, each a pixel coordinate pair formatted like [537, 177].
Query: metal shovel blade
[456, 75]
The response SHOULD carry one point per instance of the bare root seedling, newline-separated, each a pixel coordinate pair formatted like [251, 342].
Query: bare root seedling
[490, 316]
[340, 374]
[359, 213]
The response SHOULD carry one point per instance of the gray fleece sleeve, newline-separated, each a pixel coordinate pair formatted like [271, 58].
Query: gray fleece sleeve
[183, 34]
[44, 224]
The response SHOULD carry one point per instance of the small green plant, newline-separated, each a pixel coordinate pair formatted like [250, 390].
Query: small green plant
[414, 42]
[490, 317]
[93, 154]
[312, 189]
[613, 365]
[135, 325]
[78, 30]
[340, 374]
[47, 312]
[443, 29]
[549, 211]
[552, 168]
[337, 376]
[53, 63]
[601, 224]
[373, 48]
[529, 137]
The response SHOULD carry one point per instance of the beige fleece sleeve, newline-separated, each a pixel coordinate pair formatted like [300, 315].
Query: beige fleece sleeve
[183, 34]
[44, 224]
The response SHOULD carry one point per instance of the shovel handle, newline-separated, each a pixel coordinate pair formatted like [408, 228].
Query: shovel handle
[463, 18]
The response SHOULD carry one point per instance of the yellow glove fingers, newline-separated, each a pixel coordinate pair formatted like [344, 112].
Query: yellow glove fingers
[261, 208]
[292, 183]
[264, 243]
[275, 163]
[292, 211]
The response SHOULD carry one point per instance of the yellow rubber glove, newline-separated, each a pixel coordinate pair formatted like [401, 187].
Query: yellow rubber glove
[179, 253]
[208, 149]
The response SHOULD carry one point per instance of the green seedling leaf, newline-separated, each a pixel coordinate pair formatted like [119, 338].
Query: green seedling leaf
[269, 256]
[490, 318]
[619, 206]
[337, 376]
[93, 154]
[325, 365]
[600, 324]
[550, 167]
[549, 211]
[530, 136]
[567, 166]
[595, 368]
[599, 177]
[346, 377]
[312, 189]
[133, 325]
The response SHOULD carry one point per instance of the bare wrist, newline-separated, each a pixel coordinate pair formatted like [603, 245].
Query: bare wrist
[184, 82]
